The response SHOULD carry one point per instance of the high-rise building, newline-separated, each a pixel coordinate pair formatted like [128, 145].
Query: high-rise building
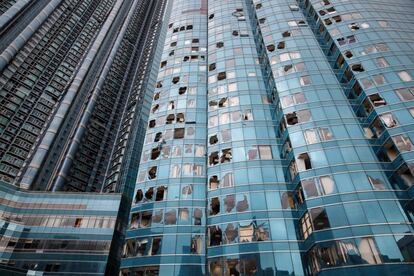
[279, 141]
[74, 100]
[196, 137]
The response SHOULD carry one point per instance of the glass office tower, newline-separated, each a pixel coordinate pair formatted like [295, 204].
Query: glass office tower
[74, 102]
[279, 141]
[206, 137]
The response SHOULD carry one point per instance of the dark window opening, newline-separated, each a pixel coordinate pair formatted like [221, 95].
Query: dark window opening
[220, 44]
[155, 153]
[319, 218]
[180, 118]
[214, 182]
[214, 158]
[152, 173]
[139, 196]
[281, 45]
[304, 162]
[292, 118]
[159, 84]
[151, 124]
[377, 100]
[212, 67]
[348, 54]
[213, 139]
[286, 34]
[182, 90]
[146, 219]
[211, 16]
[170, 119]
[158, 137]
[163, 64]
[214, 206]
[215, 235]
[179, 133]
[189, 27]
[186, 58]
[262, 20]
[157, 96]
[175, 80]
[235, 33]
[161, 191]
[226, 156]
[357, 67]
[270, 47]
[156, 246]
[221, 76]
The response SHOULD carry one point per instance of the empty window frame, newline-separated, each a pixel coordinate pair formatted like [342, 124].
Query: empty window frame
[318, 186]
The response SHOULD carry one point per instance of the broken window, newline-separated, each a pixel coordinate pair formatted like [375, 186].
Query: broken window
[163, 64]
[318, 186]
[221, 76]
[151, 123]
[403, 143]
[134, 221]
[215, 235]
[270, 47]
[405, 173]
[179, 133]
[212, 67]
[180, 118]
[139, 195]
[170, 119]
[214, 158]
[357, 67]
[182, 90]
[152, 173]
[292, 118]
[156, 246]
[246, 232]
[213, 139]
[155, 153]
[220, 44]
[248, 115]
[319, 218]
[377, 100]
[211, 16]
[198, 215]
[388, 120]
[391, 150]
[214, 206]
[196, 244]
[303, 162]
[281, 45]
[146, 218]
[161, 193]
[175, 80]
[214, 182]
[226, 156]
[348, 54]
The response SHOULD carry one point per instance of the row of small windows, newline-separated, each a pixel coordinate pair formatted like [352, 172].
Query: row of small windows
[159, 217]
[152, 246]
[263, 152]
[166, 151]
[230, 117]
[176, 171]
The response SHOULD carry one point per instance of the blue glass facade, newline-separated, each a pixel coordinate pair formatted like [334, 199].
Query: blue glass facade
[55, 233]
[302, 118]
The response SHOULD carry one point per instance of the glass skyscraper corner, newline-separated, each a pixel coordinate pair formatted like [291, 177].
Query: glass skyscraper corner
[278, 142]
[206, 137]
